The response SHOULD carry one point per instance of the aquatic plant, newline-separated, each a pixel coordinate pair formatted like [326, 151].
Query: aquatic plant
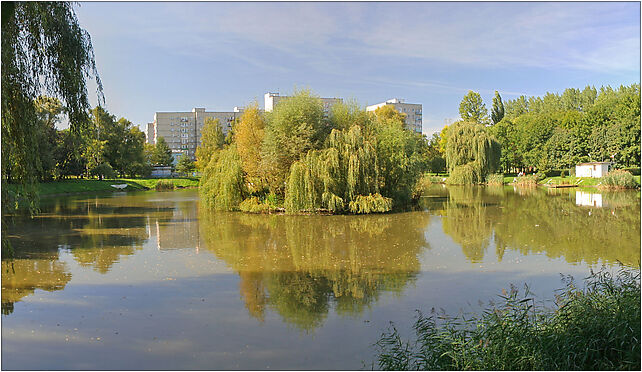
[495, 179]
[619, 179]
[527, 181]
[594, 328]
[164, 185]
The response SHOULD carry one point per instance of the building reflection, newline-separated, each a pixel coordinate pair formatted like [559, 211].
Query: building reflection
[588, 199]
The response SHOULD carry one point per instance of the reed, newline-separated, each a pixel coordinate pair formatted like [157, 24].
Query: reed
[596, 327]
[618, 179]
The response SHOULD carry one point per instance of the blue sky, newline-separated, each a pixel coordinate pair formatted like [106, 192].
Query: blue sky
[173, 56]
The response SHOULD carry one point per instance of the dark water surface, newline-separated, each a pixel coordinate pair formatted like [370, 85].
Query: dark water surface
[151, 280]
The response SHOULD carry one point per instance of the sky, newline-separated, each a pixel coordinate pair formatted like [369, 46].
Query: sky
[174, 56]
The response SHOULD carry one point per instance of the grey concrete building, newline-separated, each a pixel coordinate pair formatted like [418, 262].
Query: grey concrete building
[182, 130]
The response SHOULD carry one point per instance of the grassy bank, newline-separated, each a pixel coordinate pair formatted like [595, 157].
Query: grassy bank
[84, 185]
[569, 180]
[595, 328]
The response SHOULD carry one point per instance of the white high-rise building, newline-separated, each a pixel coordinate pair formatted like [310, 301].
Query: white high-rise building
[412, 111]
[272, 99]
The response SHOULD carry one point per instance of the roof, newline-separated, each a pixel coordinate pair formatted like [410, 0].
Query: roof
[595, 163]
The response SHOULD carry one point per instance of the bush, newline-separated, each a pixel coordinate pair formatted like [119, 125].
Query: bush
[563, 174]
[596, 328]
[619, 179]
[540, 175]
[530, 180]
[259, 205]
[103, 170]
[495, 179]
[164, 185]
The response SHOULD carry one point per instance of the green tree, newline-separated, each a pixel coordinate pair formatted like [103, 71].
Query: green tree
[296, 125]
[212, 140]
[472, 108]
[223, 185]
[389, 115]
[162, 153]
[67, 155]
[185, 165]
[44, 51]
[497, 113]
[48, 111]
[344, 115]
[471, 154]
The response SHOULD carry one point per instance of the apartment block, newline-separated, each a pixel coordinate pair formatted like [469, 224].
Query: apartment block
[272, 99]
[182, 130]
[412, 111]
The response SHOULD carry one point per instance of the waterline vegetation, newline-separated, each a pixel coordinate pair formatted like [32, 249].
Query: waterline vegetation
[592, 328]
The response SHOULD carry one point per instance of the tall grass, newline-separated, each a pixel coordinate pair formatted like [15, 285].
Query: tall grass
[530, 180]
[495, 179]
[618, 179]
[595, 328]
[164, 185]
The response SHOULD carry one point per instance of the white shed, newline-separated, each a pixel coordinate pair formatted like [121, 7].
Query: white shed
[593, 169]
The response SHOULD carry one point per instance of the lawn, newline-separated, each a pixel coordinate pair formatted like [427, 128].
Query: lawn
[84, 185]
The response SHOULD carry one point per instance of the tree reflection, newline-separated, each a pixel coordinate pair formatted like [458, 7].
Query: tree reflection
[301, 266]
[21, 277]
[545, 221]
[468, 221]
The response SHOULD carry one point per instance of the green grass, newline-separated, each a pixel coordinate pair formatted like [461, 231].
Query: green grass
[585, 181]
[594, 328]
[85, 185]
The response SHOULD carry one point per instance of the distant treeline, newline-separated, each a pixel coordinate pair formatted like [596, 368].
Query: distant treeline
[558, 131]
[102, 147]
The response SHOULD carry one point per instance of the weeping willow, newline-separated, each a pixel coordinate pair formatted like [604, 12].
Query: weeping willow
[223, 185]
[471, 153]
[343, 176]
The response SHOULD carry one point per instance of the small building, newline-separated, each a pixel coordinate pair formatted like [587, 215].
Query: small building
[161, 171]
[593, 169]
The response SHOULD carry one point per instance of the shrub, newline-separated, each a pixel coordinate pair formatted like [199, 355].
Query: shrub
[103, 170]
[596, 328]
[259, 205]
[619, 179]
[563, 174]
[164, 185]
[540, 175]
[495, 179]
[530, 180]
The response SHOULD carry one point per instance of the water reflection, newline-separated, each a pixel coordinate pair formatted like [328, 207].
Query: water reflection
[590, 199]
[538, 220]
[304, 267]
[21, 277]
[301, 266]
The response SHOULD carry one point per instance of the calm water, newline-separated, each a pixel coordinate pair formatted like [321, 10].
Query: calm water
[153, 281]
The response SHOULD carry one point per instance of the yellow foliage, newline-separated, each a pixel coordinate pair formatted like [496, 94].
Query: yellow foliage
[249, 138]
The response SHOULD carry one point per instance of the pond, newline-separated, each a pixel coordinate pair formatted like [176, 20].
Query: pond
[152, 280]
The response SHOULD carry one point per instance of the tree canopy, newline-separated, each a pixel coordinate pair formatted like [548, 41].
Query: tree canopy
[44, 51]
[472, 108]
